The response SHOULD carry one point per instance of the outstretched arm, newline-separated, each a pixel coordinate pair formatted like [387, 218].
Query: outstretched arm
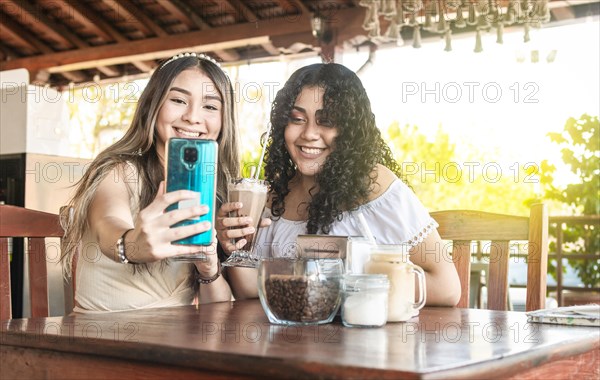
[150, 233]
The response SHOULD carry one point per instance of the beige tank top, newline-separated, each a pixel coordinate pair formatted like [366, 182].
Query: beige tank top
[104, 285]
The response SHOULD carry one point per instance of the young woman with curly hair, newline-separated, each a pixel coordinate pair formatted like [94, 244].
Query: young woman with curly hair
[326, 162]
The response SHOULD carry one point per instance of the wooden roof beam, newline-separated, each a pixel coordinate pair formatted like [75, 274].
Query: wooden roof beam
[286, 41]
[23, 35]
[39, 20]
[240, 8]
[91, 18]
[179, 10]
[270, 48]
[144, 66]
[189, 17]
[161, 47]
[109, 71]
[74, 76]
[78, 14]
[59, 32]
[7, 53]
[115, 34]
[133, 12]
[300, 5]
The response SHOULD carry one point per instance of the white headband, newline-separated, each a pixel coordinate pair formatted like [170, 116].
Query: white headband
[192, 54]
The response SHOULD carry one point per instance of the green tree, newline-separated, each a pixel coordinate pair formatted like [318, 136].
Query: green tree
[453, 175]
[579, 143]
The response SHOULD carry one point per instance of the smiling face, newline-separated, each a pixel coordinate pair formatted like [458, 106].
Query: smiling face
[309, 136]
[192, 109]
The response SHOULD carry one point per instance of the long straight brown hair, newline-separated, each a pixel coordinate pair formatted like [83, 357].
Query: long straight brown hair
[138, 148]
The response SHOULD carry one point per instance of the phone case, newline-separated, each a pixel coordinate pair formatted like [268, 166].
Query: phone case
[192, 165]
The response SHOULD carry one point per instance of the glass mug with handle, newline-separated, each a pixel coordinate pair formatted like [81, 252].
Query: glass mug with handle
[393, 260]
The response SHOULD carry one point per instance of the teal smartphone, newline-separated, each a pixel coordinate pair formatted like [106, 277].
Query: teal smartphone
[192, 165]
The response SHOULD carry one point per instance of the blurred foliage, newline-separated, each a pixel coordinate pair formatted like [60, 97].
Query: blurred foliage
[447, 176]
[442, 178]
[250, 160]
[101, 114]
[579, 143]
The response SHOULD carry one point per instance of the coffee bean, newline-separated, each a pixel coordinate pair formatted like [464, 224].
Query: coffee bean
[302, 299]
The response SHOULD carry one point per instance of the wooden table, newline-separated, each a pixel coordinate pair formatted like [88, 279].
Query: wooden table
[235, 340]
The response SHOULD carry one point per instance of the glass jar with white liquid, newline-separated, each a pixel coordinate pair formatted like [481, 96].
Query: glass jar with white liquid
[393, 261]
[365, 300]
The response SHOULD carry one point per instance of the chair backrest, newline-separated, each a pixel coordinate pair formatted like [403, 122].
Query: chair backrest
[35, 226]
[463, 226]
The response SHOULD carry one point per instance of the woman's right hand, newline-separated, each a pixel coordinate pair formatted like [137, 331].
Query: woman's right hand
[231, 230]
[152, 236]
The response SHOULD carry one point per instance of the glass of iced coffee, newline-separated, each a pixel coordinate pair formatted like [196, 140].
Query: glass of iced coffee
[252, 193]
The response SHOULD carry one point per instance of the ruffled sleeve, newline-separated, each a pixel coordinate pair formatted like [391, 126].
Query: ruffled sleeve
[395, 217]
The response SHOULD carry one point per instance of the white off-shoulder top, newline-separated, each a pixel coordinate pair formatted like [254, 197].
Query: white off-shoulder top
[395, 217]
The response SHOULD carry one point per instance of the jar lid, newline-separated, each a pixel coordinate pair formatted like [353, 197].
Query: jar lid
[358, 282]
[391, 249]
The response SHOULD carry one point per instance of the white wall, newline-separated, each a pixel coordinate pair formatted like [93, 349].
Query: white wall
[33, 119]
[13, 115]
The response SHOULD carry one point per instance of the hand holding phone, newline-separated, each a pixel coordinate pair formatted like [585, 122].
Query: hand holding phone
[192, 165]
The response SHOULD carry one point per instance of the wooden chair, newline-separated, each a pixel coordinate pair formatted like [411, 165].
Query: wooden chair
[35, 226]
[462, 227]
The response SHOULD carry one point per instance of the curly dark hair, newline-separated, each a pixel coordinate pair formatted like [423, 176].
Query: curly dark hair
[346, 178]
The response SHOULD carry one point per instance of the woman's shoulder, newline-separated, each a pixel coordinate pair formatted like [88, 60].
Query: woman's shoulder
[384, 178]
[121, 175]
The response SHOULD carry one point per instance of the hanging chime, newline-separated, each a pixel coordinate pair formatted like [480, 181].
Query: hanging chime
[448, 46]
[416, 36]
[500, 33]
[430, 15]
[371, 17]
[388, 8]
[472, 17]
[442, 25]
[459, 21]
[478, 44]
